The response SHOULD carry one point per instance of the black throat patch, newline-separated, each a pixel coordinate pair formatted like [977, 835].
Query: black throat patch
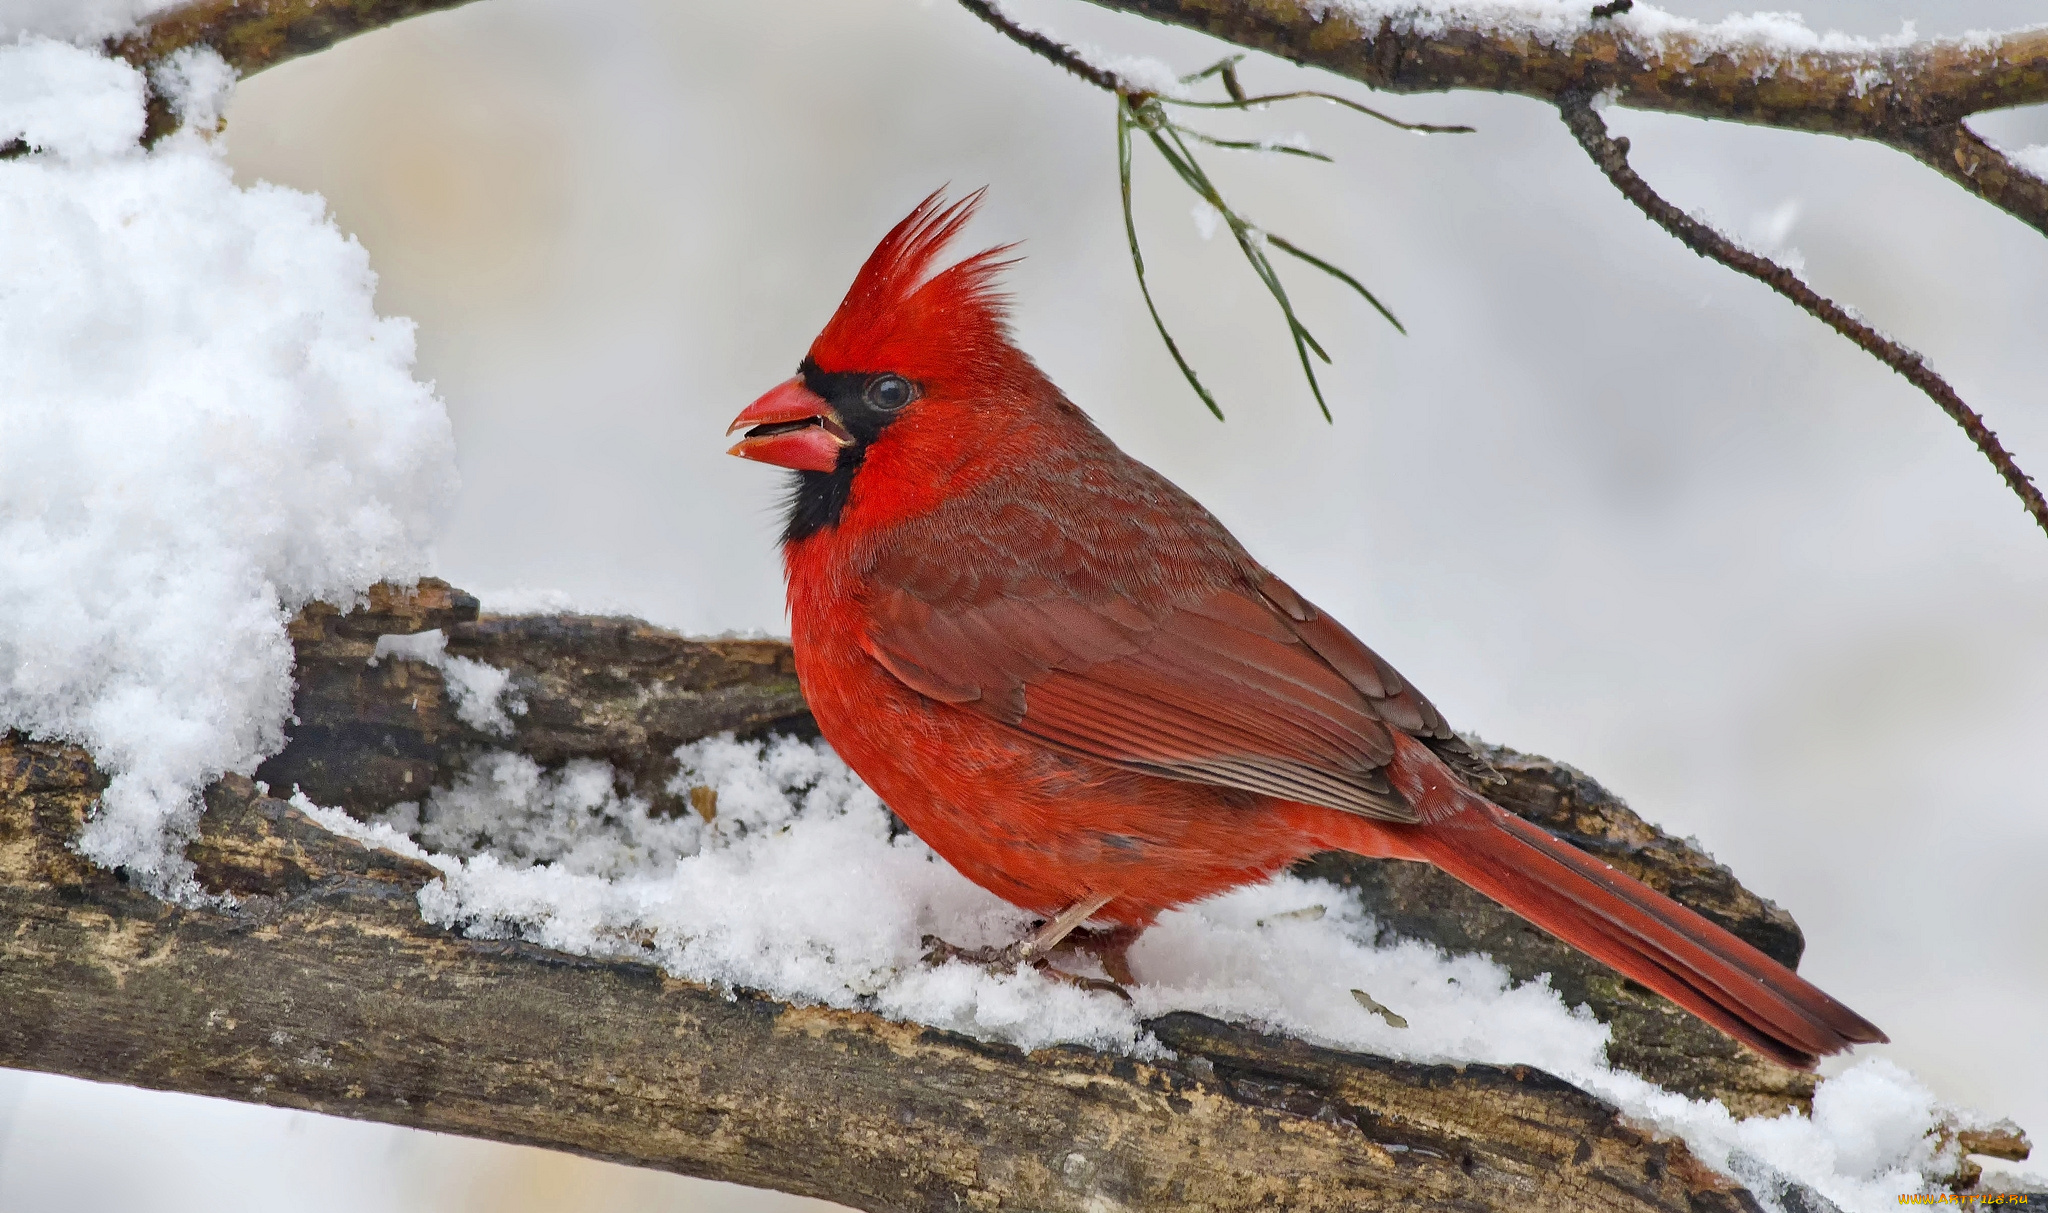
[817, 498]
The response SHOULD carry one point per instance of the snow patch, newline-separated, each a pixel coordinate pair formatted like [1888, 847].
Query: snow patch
[483, 694]
[206, 425]
[799, 886]
[2033, 159]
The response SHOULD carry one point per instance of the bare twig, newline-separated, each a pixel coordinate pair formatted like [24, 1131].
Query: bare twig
[1046, 47]
[1611, 155]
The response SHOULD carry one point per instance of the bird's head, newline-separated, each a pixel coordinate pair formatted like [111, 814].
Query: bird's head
[909, 350]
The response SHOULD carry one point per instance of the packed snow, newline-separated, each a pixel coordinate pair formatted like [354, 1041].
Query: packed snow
[206, 425]
[799, 885]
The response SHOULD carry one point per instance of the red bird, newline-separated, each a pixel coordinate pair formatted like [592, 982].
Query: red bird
[1065, 676]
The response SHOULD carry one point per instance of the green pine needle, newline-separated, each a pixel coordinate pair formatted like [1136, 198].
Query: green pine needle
[1170, 139]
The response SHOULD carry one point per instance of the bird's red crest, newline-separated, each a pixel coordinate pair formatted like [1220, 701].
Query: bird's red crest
[899, 316]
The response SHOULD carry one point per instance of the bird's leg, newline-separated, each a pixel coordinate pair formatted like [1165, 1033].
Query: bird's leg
[1111, 949]
[1049, 936]
[1033, 948]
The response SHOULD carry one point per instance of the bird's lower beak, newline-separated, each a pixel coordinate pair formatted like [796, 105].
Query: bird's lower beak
[791, 426]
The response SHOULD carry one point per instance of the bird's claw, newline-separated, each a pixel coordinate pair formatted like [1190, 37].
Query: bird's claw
[997, 960]
[1006, 959]
[1098, 984]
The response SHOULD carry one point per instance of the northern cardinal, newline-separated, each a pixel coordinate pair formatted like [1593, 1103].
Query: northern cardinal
[1071, 681]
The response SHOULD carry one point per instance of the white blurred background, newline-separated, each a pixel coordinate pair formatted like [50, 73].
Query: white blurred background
[1606, 502]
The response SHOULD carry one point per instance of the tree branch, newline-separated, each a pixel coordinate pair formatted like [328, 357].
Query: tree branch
[1958, 153]
[1911, 97]
[323, 989]
[1612, 156]
[1914, 98]
[254, 34]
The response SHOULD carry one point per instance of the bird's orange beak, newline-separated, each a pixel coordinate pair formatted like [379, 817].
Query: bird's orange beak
[791, 426]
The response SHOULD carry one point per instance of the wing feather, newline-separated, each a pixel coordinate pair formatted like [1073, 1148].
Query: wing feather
[1214, 672]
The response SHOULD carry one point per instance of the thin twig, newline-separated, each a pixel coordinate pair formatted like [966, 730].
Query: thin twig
[1045, 47]
[1611, 155]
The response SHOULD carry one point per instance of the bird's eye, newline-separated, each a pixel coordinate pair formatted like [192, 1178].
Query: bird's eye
[890, 392]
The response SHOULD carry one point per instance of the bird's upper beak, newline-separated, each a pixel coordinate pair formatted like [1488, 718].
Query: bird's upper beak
[791, 426]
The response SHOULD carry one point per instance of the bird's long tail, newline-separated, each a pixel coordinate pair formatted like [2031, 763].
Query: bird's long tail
[1618, 920]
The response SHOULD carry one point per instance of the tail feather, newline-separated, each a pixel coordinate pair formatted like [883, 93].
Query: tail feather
[1628, 926]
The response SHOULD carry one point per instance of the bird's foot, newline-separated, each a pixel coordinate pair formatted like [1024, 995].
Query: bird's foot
[1008, 958]
[1111, 949]
[1097, 984]
[996, 960]
[1063, 933]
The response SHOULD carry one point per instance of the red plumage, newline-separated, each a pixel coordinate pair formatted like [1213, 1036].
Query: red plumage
[1069, 679]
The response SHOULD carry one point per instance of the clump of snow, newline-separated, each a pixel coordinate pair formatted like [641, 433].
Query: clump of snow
[799, 887]
[72, 105]
[198, 83]
[483, 695]
[2034, 159]
[206, 425]
[79, 21]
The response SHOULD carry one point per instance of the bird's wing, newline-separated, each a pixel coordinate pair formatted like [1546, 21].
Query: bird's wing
[1241, 685]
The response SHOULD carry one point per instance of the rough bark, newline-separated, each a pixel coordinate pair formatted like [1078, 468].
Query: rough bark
[619, 690]
[323, 989]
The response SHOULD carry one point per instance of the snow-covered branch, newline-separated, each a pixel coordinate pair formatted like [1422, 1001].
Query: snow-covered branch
[322, 977]
[1767, 69]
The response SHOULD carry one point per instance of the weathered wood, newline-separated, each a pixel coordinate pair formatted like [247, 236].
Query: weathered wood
[620, 690]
